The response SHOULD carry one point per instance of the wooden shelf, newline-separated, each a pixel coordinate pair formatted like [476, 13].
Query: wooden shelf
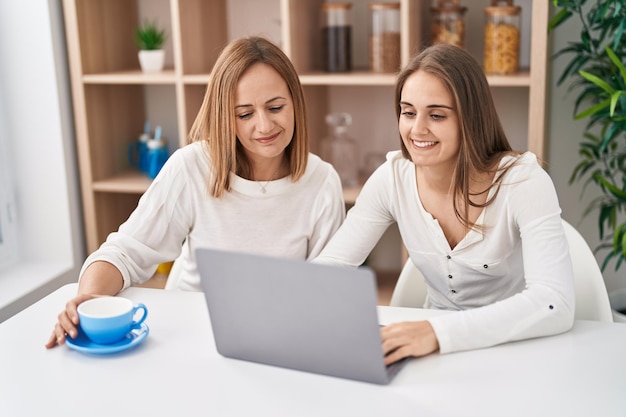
[167, 76]
[131, 181]
[521, 79]
[197, 79]
[350, 78]
[364, 78]
[112, 98]
[134, 182]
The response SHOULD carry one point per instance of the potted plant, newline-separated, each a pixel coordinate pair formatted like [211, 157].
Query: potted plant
[597, 72]
[150, 38]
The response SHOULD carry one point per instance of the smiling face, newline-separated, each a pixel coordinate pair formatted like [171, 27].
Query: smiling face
[428, 122]
[264, 116]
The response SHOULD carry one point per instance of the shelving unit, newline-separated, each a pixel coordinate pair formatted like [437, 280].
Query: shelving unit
[112, 98]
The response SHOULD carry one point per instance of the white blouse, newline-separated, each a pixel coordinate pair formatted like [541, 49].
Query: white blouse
[511, 281]
[290, 219]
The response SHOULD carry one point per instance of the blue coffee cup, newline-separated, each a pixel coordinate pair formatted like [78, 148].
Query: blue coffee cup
[107, 320]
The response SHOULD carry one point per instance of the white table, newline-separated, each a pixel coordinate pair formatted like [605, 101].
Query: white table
[177, 372]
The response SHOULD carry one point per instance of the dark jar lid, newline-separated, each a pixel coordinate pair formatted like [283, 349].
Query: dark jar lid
[448, 6]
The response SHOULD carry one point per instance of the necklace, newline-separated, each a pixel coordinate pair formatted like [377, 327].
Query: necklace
[263, 185]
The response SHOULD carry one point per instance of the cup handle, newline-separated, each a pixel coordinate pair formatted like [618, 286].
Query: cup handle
[136, 308]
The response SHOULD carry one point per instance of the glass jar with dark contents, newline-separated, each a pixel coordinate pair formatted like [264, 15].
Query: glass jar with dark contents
[336, 37]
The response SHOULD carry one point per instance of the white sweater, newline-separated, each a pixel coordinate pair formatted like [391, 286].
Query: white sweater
[512, 282]
[292, 219]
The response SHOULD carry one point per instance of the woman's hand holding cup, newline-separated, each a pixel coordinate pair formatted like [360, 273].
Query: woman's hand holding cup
[103, 319]
[67, 321]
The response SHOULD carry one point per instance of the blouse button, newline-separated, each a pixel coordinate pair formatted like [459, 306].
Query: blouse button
[448, 256]
[485, 266]
[450, 276]
[453, 291]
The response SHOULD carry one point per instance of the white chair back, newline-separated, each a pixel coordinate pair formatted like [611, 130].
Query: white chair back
[174, 276]
[410, 290]
[592, 299]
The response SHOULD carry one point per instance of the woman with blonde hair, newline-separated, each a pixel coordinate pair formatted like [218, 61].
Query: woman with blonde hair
[480, 221]
[245, 182]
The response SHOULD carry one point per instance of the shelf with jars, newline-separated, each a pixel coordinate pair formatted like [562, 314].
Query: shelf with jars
[113, 98]
[520, 95]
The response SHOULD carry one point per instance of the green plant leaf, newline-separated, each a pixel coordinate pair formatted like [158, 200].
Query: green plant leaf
[580, 170]
[605, 214]
[149, 36]
[597, 81]
[586, 39]
[614, 100]
[595, 72]
[572, 68]
[613, 131]
[606, 261]
[617, 62]
[618, 237]
[615, 191]
[592, 110]
[559, 18]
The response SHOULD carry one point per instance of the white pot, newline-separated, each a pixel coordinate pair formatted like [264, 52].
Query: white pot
[152, 61]
[617, 298]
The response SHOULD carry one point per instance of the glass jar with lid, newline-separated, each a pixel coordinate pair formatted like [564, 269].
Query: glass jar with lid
[336, 37]
[384, 42]
[340, 149]
[448, 23]
[502, 37]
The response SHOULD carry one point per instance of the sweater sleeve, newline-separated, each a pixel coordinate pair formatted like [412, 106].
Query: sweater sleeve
[365, 223]
[546, 305]
[155, 230]
[328, 214]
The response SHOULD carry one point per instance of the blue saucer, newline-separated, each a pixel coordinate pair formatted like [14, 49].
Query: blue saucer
[82, 344]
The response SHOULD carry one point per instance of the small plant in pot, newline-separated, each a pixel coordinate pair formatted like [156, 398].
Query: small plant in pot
[597, 72]
[149, 38]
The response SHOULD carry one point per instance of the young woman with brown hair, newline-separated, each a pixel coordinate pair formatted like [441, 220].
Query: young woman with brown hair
[480, 221]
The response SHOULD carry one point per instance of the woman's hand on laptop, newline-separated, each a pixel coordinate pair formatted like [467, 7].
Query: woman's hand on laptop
[415, 338]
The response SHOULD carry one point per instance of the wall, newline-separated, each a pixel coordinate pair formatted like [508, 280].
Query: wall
[37, 122]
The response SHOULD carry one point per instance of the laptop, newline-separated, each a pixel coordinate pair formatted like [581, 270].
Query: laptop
[295, 314]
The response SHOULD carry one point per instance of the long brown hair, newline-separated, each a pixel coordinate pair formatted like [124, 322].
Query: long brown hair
[483, 141]
[215, 122]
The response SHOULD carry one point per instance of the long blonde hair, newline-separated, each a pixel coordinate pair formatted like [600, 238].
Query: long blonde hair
[483, 141]
[215, 123]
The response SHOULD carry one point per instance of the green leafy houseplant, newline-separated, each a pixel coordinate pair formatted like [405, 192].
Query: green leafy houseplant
[149, 36]
[596, 71]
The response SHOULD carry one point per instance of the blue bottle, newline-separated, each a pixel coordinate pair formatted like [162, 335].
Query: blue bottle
[157, 153]
[137, 153]
[138, 150]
